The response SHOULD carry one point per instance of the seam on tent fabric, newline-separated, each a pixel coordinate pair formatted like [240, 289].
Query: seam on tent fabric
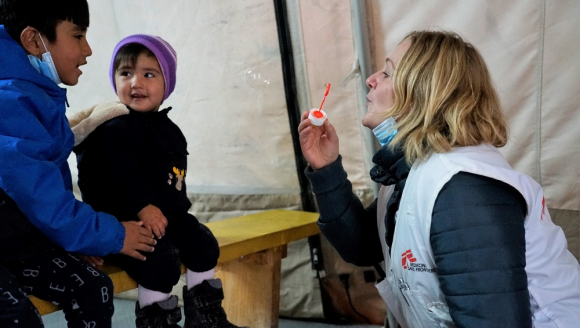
[292, 104]
[301, 71]
[361, 47]
[539, 87]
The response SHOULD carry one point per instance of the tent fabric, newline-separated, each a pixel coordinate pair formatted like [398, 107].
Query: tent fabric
[237, 131]
[531, 49]
[230, 103]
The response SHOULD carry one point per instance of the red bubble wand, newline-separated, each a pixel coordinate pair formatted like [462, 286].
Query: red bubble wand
[317, 113]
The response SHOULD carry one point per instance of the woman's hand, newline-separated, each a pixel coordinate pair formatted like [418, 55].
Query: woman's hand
[319, 143]
[153, 219]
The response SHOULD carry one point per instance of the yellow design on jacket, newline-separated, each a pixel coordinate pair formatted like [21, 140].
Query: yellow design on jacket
[180, 175]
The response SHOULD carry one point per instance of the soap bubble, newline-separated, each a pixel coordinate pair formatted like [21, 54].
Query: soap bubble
[258, 76]
[332, 5]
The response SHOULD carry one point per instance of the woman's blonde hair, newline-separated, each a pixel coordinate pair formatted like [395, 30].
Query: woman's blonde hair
[444, 97]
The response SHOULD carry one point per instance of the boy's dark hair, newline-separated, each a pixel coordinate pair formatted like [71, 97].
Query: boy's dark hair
[129, 53]
[44, 15]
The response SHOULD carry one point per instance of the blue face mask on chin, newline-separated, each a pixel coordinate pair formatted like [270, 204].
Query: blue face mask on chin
[46, 66]
[385, 132]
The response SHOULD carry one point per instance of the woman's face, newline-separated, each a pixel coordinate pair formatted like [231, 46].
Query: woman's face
[381, 97]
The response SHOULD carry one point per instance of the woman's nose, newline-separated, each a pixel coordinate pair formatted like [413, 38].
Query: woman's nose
[372, 80]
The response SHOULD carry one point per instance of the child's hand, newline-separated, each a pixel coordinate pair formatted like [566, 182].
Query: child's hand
[137, 239]
[153, 219]
[93, 260]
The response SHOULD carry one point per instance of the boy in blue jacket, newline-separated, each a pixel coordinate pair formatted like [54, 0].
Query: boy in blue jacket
[43, 44]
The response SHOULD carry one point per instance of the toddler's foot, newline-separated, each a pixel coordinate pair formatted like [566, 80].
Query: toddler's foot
[164, 314]
[203, 306]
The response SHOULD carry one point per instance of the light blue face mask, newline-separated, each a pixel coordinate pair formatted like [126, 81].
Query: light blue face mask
[46, 66]
[385, 131]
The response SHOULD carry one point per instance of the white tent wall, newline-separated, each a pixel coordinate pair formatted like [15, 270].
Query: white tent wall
[324, 51]
[559, 110]
[226, 121]
[241, 155]
[531, 48]
[330, 57]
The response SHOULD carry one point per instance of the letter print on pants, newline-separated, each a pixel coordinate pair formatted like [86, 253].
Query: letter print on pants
[16, 310]
[83, 292]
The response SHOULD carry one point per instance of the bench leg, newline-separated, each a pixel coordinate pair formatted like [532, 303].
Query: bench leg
[252, 288]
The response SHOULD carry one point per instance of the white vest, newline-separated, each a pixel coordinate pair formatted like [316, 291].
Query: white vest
[411, 288]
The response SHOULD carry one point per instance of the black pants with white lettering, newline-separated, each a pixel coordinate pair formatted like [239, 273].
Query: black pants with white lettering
[84, 293]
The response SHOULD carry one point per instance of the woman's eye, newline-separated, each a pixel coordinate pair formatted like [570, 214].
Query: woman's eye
[149, 75]
[125, 74]
[385, 74]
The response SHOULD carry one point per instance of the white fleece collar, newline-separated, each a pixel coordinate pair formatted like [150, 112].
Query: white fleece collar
[86, 121]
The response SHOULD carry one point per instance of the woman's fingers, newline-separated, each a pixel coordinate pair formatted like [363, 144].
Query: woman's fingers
[304, 124]
[330, 132]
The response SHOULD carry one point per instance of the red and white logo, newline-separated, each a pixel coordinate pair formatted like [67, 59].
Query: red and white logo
[543, 208]
[407, 256]
[409, 262]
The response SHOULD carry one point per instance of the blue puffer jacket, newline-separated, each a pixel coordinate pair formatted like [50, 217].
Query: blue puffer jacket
[35, 181]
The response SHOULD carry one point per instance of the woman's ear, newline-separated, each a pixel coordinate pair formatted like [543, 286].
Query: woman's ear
[31, 41]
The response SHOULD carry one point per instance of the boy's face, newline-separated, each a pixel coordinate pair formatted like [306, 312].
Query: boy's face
[69, 51]
[141, 87]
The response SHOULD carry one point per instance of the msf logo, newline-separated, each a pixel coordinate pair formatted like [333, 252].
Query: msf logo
[543, 208]
[407, 259]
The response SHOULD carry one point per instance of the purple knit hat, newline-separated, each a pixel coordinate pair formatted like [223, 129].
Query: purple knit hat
[163, 51]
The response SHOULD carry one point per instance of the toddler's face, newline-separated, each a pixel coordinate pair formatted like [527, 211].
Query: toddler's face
[141, 87]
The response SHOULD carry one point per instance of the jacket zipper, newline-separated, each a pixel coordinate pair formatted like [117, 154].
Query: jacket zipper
[403, 286]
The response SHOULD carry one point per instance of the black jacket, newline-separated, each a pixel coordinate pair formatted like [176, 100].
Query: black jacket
[134, 160]
[477, 237]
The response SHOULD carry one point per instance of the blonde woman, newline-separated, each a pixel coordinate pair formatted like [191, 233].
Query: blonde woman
[466, 240]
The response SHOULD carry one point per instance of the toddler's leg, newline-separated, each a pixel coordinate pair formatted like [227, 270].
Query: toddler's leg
[195, 278]
[16, 310]
[148, 296]
[156, 277]
[203, 295]
[159, 272]
[84, 293]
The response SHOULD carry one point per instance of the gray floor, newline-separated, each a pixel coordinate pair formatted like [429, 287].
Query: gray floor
[124, 317]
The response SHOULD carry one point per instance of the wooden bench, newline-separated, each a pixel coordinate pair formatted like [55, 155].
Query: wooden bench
[251, 251]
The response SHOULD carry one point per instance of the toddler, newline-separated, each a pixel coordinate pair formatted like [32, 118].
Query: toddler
[134, 166]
